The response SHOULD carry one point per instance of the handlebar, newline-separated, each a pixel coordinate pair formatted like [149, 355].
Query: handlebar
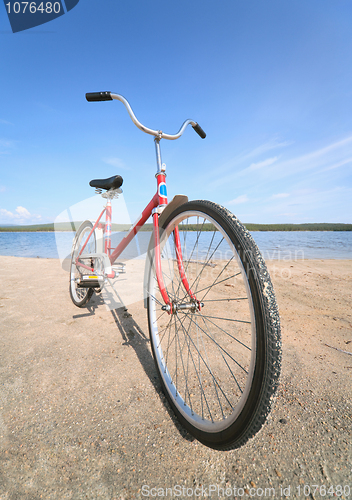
[98, 96]
[109, 96]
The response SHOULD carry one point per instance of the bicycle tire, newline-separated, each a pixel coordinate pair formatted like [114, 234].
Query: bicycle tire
[219, 366]
[81, 296]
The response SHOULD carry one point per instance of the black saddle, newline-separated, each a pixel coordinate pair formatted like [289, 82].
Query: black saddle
[113, 182]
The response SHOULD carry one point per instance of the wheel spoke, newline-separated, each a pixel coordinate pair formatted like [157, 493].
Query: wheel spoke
[206, 344]
[226, 352]
[204, 265]
[228, 319]
[193, 249]
[198, 374]
[224, 300]
[226, 333]
[218, 283]
[223, 269]
[222, 355]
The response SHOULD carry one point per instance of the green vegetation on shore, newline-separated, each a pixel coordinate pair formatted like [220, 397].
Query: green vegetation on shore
[300, 227]
[66, 226]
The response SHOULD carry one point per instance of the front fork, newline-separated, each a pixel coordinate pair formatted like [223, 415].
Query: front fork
[171, 306]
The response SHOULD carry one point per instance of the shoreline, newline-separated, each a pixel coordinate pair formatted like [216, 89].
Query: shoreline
[252, 227]
[319, 259]
[274, 245]
[2, 230]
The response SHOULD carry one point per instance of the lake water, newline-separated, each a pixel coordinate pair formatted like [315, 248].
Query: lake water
[278, 245]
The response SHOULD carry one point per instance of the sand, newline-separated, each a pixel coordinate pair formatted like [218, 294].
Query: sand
[82, 414]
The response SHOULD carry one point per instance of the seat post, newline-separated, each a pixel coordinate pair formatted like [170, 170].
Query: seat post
[108, 227]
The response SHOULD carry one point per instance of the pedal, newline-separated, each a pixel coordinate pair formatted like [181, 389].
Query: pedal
[119, 267]
[90, 281]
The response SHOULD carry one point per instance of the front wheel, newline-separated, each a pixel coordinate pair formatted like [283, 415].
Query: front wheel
[218, 348]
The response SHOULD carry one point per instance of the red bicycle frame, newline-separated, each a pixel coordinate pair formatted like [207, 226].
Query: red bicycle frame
[158, 200]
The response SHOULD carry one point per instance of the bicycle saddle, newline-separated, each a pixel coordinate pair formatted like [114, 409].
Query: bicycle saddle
[113, 182]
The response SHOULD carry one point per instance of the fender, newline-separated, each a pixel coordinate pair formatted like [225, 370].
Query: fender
[177, 200]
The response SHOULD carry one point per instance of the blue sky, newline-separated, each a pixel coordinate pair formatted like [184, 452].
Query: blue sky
[270, 83]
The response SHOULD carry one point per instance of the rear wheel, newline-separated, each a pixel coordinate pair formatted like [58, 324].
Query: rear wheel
[218, 351]
[80, 296]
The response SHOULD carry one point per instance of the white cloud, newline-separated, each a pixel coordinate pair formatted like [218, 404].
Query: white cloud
[243, 198]
[5, 143]
[280, 195]
[231, 170]
[335, 155]
[329, 157]
[5, 122]
[304, 191]
[20, 216]
[337, 165]
[115, 162]
[261, 164]
[23, 212]
[289, 214]
[6, 213]
[263, 148]
[5, 146]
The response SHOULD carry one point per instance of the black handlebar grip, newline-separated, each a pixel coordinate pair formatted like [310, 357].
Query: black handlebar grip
[199, 130]
[98, 96]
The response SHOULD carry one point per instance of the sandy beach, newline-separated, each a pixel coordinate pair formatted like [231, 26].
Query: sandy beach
[82, 414]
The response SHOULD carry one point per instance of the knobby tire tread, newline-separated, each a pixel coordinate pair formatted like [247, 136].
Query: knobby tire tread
[270, 365]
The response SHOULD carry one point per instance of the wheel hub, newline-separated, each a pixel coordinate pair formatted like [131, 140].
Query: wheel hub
[192, 306]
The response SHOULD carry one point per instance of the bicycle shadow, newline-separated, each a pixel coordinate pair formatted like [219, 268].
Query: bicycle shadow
[134, 337]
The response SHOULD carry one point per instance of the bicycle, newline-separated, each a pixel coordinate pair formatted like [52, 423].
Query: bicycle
[213, 319]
